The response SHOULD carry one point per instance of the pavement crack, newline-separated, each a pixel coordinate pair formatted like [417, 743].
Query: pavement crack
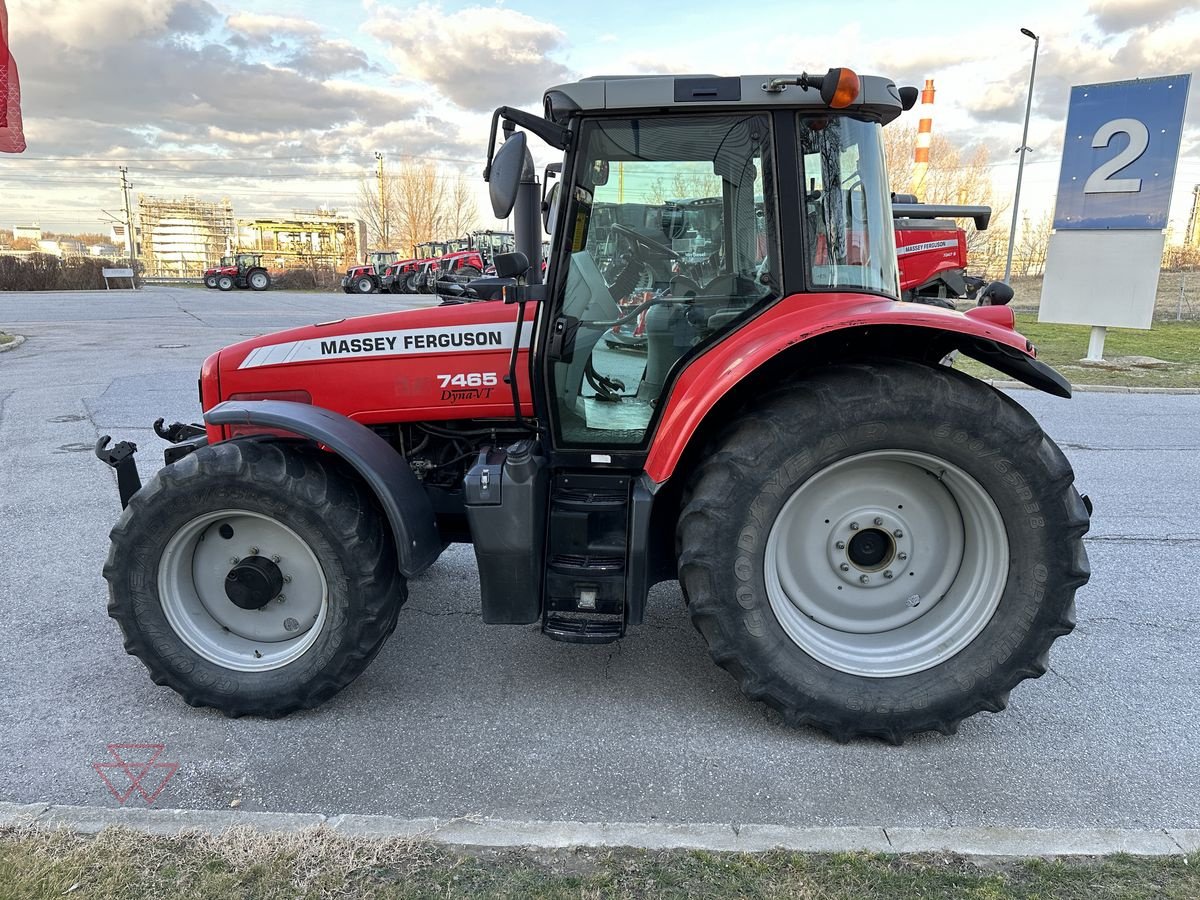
[1170, 837]
[1142, 539]
[1076, 446]
[1068, 681]
[887, 837]
[608, 660]
[443, 614]
[1184, 625]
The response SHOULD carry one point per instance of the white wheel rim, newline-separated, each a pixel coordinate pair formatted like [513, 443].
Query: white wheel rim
[191, 589]
[886, 563]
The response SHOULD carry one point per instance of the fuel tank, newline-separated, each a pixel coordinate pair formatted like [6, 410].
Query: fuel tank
[428, 364]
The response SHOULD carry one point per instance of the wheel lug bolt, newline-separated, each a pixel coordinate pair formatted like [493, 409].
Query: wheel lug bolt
[845, 567]
[865, 579]
[233, 560]
[878, 521]
[280, 598]
[275, 558]
[898, 533]
[254, 551]
[841, 545]
[854, 526]
[287, 579]
[901, 556]
[887, 574]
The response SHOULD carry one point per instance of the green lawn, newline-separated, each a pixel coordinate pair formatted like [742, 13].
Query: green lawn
[1062, 346]
[37, 865]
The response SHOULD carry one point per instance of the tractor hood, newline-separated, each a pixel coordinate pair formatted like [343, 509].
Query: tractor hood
[442, 362]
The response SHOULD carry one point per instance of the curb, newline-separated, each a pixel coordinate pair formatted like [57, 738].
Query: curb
[481, 832]
[17, 341]
[1097, 388]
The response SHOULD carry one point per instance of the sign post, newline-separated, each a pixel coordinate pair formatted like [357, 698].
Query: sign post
[1114, 193]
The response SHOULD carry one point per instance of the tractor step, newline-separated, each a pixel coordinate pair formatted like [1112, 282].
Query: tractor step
[577, 629]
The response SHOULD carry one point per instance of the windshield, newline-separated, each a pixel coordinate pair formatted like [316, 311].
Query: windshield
[847, 206]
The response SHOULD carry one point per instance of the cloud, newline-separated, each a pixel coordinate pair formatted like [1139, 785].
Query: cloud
[1117, 16]
[327, 58]
[479, 57]
[261, 26]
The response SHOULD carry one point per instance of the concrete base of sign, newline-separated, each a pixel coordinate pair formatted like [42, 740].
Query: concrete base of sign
[1096, 344]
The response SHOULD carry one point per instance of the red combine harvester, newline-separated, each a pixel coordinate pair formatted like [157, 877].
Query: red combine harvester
[243, 270]
[869, 541]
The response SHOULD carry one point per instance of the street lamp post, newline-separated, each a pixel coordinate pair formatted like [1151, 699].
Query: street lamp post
[1023, 149]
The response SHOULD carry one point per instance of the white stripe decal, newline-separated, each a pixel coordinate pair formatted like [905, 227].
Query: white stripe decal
[404, 342]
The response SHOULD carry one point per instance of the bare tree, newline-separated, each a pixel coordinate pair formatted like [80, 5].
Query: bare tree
[684, 185]
[1032, 244]
[462, 211]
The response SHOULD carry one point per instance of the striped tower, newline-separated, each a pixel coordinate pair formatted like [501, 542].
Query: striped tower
[924, 136]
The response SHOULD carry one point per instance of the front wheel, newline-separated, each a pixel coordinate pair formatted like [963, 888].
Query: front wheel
[364, 285]
[225, 283]
[883, 550]
[210, 281]
[254, 577]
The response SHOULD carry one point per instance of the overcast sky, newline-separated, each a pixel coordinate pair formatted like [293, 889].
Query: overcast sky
[195, 96]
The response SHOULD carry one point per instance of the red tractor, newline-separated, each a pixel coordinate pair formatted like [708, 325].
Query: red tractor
[210, 275]
[243, 270]
[366, 278]
[932, 250]
[870, 541]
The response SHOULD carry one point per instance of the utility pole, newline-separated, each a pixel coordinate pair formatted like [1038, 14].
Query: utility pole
[129, 236]
[383, 214]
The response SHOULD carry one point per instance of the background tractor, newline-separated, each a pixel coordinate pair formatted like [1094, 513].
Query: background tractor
[244, 271]
[366, 278]
[869, 541]
[210, 275]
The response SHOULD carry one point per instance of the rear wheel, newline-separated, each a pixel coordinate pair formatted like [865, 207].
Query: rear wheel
[254, 577]
[259, 280]
[225, 283]
[469, 272]
[410, 283]
[883, 551]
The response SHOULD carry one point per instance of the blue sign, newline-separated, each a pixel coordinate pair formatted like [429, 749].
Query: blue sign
[1119, 155]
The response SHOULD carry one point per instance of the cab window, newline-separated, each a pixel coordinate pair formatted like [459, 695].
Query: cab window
[672, 244]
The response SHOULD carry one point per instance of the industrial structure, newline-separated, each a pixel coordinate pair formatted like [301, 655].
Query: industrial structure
[1192, 236]
[920, 168]
[179, 237]
[308, 238]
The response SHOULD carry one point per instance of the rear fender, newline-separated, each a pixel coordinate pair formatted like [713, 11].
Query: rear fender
[405, 502]
[797, 335]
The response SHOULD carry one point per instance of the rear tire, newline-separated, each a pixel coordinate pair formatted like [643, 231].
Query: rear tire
[762, 550]
[469, 272]
[410, 283]
[259, 280]
[173, 551]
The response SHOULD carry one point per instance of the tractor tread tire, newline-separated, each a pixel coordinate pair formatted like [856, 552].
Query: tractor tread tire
[749, 453]
[334, 505]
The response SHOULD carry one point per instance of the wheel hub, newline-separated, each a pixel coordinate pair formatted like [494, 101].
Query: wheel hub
[253, 582]
[857, 546]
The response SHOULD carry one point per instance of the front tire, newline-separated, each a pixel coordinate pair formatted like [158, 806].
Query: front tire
[210, 281]
[960, 574]
[254, 577]
[225, 283]
[364, 285]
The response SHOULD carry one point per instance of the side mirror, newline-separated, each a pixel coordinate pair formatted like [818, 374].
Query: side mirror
[511, 265]
[505, 175]
[550, 208]
[996, 294]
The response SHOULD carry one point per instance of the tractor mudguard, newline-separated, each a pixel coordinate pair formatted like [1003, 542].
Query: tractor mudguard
[983, 333]
[405, 502]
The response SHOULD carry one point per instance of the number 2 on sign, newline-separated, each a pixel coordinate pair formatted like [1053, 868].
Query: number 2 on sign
[469, 379]
[1101, 181]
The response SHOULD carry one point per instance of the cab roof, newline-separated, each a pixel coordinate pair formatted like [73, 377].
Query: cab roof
[878, 97]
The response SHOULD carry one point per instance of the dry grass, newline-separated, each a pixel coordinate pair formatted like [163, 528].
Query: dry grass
[38, 864]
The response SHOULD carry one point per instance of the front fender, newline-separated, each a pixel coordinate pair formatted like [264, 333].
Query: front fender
[920, 332]
[405, 502]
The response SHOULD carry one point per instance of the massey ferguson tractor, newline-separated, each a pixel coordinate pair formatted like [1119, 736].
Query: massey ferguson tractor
[210, 275]
[869, 541]
[244, 270]
[365, 278]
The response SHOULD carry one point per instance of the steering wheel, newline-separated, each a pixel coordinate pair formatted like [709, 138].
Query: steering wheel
[640, 240]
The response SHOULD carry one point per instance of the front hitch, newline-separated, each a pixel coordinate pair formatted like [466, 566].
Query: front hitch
[120, 457]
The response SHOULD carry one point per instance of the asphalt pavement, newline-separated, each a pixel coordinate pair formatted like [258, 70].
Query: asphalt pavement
[457, 718]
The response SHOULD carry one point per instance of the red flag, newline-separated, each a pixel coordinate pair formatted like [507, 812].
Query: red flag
[12, 140]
